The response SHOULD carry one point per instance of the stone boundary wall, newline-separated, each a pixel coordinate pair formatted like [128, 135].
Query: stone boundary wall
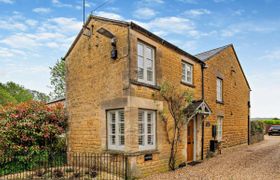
[257, 137]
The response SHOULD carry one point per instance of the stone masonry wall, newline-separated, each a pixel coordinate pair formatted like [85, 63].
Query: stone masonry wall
[93, 79]
[167, 68]
[235, 96]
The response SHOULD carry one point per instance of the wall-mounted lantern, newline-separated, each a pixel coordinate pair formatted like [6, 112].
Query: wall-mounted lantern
[108, 34]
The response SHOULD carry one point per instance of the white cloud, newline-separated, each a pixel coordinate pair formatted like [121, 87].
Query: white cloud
[271, 55]
[265, 104]
[196, 12]
[57, 3]
[7, 52]
[12, 25]
[109, 15]
[21, 40]
[144, 13]
[179, 25]
[7, 1]
[154, 1]
[222, 1]
[42, 10]
[246, 27]
[189, 1]
[31, 22]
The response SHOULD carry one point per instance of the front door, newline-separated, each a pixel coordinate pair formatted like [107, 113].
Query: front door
[190, 141]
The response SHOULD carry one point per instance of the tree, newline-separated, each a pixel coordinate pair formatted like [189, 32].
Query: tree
[39, 96]
[18, 92]
[58, 79]
[5, 96]
[176, 101]
[11, 92]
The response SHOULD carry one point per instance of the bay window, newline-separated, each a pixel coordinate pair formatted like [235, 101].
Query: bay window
[146, 129]
[116, 129]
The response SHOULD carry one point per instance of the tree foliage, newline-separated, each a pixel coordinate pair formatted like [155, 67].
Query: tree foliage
[39, 96]
[29, 128]
[11, 92]
[176, 101]
[58, 79]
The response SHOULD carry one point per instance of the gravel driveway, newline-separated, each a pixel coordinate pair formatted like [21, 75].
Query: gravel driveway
[257, 161]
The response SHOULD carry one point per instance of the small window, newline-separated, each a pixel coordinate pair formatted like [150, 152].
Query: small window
[146, 130]
[187, 73]
[219, 90]
[219, 128]
[145, 63]
[116, 129]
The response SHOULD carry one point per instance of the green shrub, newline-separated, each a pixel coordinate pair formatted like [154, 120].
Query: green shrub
[271, 121]
[257, 127]
[28, 132]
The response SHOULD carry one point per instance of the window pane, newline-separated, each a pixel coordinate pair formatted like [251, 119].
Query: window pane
[121, 128]
[183, 71]
[121, 116]
[113, 128]
[149, 128]
[121, 140]
[140, 62]
[113, 117]
[148, 53]
[141, 140]
[141, 116]
[149, 117]
[113, 139]
[149, 64]
[140, 49]
[219, 89]
[150, 140]
[149, 75]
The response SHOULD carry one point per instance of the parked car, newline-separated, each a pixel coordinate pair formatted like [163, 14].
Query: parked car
[274, 130]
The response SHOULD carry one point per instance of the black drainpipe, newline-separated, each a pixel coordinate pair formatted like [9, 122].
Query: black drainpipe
[202, 118]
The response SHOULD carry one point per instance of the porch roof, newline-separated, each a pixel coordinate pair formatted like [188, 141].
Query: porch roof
[197, 107]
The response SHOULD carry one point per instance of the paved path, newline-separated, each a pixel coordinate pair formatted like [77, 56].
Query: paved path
[257, 161]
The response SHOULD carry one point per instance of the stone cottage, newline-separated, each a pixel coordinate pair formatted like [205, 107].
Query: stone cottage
[113, 70]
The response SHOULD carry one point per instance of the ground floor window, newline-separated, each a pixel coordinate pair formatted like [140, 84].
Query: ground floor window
[146, 129]
[116, 127]
[220, 128]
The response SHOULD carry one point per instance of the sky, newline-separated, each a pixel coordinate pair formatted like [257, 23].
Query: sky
[34, 34]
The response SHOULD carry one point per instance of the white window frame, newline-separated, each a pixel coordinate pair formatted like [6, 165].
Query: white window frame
[187, 77]
[144, 122]
[220, 120]
[145, 63]
[117, 133]
[219, 90]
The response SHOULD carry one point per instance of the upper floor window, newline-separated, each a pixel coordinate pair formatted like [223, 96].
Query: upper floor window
[187, 73]
[219, 90]
[145, 62]
[219, 128]
[146, 129]
[116, 135]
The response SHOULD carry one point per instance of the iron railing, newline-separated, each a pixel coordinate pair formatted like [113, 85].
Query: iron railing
[65, 166]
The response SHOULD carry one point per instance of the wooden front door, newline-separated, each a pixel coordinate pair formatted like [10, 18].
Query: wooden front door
[190, 141]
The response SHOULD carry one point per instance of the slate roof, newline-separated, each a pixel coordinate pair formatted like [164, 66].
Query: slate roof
[204, 56]
[195, 106]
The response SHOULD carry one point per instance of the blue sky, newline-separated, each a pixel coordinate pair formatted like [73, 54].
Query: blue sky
[34, 34]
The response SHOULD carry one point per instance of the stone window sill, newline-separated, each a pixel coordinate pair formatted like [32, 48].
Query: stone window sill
[187, 84]
[145, 84]
[220, 102]
[137, 153]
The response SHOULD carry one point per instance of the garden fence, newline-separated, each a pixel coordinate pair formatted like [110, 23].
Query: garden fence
[64, 166]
